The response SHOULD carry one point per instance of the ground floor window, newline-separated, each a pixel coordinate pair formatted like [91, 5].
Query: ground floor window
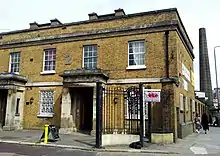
[46, 102]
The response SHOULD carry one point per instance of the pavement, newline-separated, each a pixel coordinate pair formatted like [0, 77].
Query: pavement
[24, 150]
[192, 144]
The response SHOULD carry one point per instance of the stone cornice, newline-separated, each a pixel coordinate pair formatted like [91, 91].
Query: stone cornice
[85, 35]
[93, 21]
[12, 77]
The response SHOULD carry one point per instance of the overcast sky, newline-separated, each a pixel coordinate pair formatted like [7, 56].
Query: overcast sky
[17, 14]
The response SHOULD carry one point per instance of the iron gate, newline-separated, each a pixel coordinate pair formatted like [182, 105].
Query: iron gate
[121, 110]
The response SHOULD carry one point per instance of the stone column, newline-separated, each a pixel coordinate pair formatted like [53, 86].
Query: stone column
[67, 123]
[10, 111]
[18, 120]
[93, 132]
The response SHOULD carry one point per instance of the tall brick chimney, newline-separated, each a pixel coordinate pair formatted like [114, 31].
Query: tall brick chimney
[205, 76]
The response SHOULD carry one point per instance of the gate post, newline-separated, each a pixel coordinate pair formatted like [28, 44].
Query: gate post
[141, 115]
[98, 114]
[149, 118]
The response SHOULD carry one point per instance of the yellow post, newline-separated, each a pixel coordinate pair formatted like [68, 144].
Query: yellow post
[46, 133]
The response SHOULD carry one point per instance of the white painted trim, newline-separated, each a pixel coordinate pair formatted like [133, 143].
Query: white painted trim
[136, 80]
[37, 84]
[121, 81]
[83, 57]
[96, 54]
[137, 66]
[9, 66]
[45, 115]
[48, 72]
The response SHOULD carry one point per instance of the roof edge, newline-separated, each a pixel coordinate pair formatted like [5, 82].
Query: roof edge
[91, 21]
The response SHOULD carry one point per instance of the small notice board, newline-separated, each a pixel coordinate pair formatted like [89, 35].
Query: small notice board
[152, 95]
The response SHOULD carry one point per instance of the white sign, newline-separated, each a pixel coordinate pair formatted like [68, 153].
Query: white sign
[185, 84]
[152, 95]
[186, 72]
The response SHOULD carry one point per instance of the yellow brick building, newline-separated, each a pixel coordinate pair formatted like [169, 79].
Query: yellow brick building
[50, 70]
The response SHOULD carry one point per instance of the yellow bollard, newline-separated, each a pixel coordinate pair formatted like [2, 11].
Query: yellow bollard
[46, 133]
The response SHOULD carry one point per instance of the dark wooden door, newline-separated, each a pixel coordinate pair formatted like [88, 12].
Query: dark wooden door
[178, 122]
[3, 103]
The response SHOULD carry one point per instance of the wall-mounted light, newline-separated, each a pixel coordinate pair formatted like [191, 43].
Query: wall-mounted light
[115, 100]
[31, 100]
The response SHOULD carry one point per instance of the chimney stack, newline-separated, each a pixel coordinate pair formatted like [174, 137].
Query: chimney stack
[205, 76]
[55, 22]
[119, 12]
[93, 16]
[34, 25]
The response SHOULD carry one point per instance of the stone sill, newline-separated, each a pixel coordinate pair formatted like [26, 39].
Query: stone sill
[136, 67]
[48, 72]
[45, 115]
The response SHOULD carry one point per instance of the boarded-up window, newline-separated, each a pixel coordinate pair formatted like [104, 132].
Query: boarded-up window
[193, 106]
[181, 102]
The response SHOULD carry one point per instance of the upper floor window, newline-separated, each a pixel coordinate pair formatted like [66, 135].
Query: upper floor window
[49, 60]
[90, 56]
[14, 66]
[136, 52]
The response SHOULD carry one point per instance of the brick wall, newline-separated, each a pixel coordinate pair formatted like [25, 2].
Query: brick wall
[112, 56]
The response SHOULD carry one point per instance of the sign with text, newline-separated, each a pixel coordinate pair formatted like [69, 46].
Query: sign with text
[152, 95]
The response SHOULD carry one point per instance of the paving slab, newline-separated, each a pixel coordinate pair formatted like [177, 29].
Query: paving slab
[192, 144]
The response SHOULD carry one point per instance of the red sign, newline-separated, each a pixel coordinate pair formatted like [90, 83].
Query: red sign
[152, 95]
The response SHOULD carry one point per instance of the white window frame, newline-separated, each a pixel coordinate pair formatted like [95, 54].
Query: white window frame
[193, 106]
[48, 71]
[83, 65]
[47, 114]
[137, 66]
[181, 102]
[186, 104]
[10, 62]
[185, 84]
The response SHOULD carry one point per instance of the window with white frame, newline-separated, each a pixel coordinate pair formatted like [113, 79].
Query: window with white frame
[46, 102]
[49, 60]
[14, 62]
[136, 53]
[90, 56]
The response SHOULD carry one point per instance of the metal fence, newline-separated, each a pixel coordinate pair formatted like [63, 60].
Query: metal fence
[121, 110]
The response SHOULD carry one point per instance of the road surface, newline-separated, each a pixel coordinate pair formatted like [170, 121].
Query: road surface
[25, 150]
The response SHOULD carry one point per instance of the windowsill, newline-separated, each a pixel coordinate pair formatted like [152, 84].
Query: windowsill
[14, 73]
[136, 67]
[45, 115]
[48, 72]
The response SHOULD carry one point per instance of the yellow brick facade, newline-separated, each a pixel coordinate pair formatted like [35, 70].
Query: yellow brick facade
[112, 54]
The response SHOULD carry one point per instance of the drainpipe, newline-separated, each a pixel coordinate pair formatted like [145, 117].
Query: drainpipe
[167, 53]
